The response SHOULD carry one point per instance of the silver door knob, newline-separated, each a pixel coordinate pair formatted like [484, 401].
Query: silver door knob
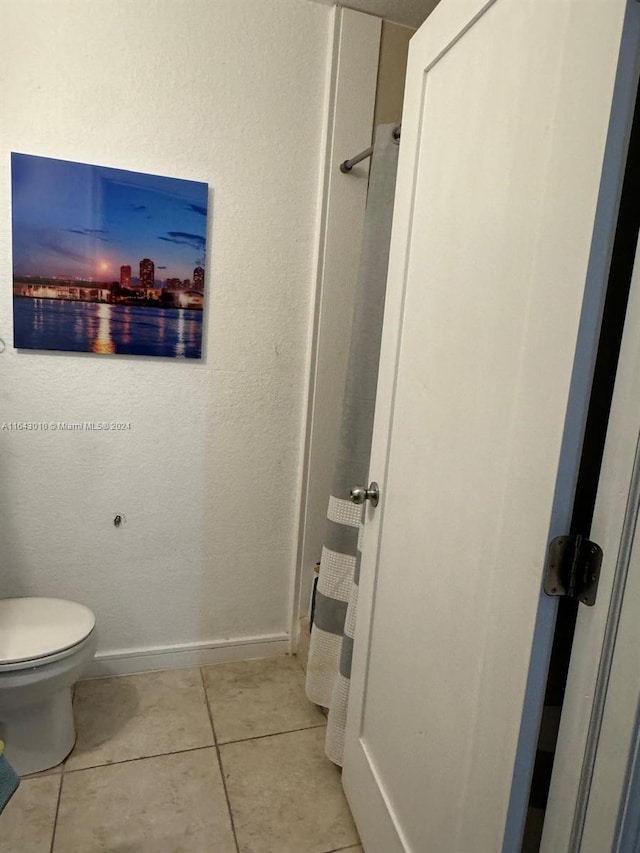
[360, 494]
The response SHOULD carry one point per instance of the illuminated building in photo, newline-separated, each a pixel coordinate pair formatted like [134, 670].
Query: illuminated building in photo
[198, 279]
[147, 273]
[125, 276]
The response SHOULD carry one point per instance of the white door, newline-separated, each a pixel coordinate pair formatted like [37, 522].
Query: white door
[504, 216]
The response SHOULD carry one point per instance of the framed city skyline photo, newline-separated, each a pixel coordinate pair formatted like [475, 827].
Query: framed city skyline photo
[106, 260]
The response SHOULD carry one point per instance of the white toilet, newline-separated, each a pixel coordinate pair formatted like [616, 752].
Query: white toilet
[45, 644]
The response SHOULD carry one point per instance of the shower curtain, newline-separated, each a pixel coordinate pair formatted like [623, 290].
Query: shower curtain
[333, 628]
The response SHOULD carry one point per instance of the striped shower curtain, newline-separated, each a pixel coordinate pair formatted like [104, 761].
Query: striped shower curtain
[332, 631]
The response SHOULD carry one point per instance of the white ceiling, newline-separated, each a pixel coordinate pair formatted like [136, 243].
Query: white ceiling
[412, 13]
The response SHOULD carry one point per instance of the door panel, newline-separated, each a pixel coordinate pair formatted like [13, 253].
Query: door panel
[493, 294]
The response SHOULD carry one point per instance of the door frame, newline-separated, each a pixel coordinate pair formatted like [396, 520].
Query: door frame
[598, 634]
[351, 84]
[570, 781]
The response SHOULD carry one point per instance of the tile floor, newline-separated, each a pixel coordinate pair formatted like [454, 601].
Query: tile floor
[222, 759]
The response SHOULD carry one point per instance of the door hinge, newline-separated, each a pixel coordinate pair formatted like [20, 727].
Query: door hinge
[573, 568]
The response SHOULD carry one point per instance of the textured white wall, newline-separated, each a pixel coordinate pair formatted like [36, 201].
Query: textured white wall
[231, 92]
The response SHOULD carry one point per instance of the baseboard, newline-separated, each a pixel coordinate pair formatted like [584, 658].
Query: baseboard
[131, 661]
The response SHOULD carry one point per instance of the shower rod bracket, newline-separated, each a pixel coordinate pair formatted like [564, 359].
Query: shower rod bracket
[347, 165]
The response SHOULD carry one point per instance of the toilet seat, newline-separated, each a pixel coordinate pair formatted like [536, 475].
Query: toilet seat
[37, 631]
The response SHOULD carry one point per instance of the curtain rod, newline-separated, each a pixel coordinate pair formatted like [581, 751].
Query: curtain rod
[348, 165]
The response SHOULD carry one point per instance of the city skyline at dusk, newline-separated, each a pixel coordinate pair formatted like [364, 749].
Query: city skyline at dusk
[83, 222]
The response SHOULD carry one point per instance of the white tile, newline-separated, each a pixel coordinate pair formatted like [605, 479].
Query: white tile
[26, 824]
[286, 796]
[139, 715]
[167, 804]
[261, 697]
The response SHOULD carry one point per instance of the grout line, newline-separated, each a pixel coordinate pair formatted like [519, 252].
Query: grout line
[222, 776]
[41, 774]
[180, 751]
[274, 734]
[140, 758]
[201, 670]
[55, 819]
